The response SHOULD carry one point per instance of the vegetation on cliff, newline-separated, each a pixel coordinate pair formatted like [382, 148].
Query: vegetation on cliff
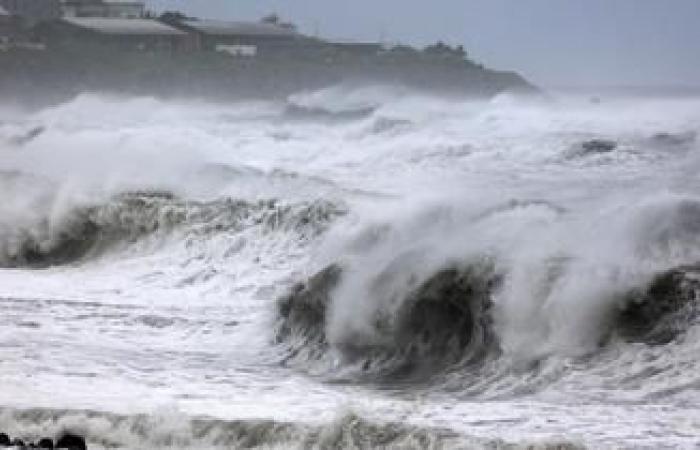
[58, 73]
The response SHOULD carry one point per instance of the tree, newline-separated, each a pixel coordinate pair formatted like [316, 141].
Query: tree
[461, 51]
[271, 19]
[274, 19]
[443, 50]
[174, 17]
[439, 49]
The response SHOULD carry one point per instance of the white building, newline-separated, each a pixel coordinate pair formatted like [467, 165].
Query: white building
[123, 9]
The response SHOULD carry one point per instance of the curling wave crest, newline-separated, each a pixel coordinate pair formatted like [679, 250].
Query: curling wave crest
[454, 272]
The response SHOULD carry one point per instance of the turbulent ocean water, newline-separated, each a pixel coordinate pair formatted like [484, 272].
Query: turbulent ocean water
[354, 268]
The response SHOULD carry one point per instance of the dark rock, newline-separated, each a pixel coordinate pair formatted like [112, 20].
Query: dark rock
[4, 440]
[45, 443]
[18, 443]
[71, 441]
[599, 146]
[593, 147]
[674, 139]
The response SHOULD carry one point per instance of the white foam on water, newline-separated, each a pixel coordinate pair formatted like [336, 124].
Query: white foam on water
[179, 310]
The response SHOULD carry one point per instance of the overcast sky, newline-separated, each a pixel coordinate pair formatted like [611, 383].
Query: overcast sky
[552, 42]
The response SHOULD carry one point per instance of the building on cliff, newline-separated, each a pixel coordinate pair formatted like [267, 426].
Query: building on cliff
[32, 11]
[118, 34]
[123, 9]
[246, 38]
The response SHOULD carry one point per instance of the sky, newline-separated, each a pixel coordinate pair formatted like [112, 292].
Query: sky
[556, 43]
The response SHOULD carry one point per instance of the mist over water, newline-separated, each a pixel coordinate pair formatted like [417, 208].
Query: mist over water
[510, 271]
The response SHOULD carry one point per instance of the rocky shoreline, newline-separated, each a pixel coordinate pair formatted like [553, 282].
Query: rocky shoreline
[67, 441]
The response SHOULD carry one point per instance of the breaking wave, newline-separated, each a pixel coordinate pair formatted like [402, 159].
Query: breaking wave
[661, 312]
[399, 307]
[169, 429]
[81, 232]
[445, 321]
[480, 263]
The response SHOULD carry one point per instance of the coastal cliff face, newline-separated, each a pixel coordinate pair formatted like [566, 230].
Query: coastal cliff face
[41, 77]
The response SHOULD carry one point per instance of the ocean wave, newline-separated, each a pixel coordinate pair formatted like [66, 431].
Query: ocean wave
[474, 261]
[448, 317]
[84, 231]
[346, 98]
[399, 305]
[172, 430]
[300, 112]
[443, 322]
[661, 312]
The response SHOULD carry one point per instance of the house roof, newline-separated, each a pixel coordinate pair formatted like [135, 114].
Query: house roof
[123, 26]
[221, 28]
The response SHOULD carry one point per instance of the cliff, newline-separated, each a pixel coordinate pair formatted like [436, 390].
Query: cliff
[42, 77]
